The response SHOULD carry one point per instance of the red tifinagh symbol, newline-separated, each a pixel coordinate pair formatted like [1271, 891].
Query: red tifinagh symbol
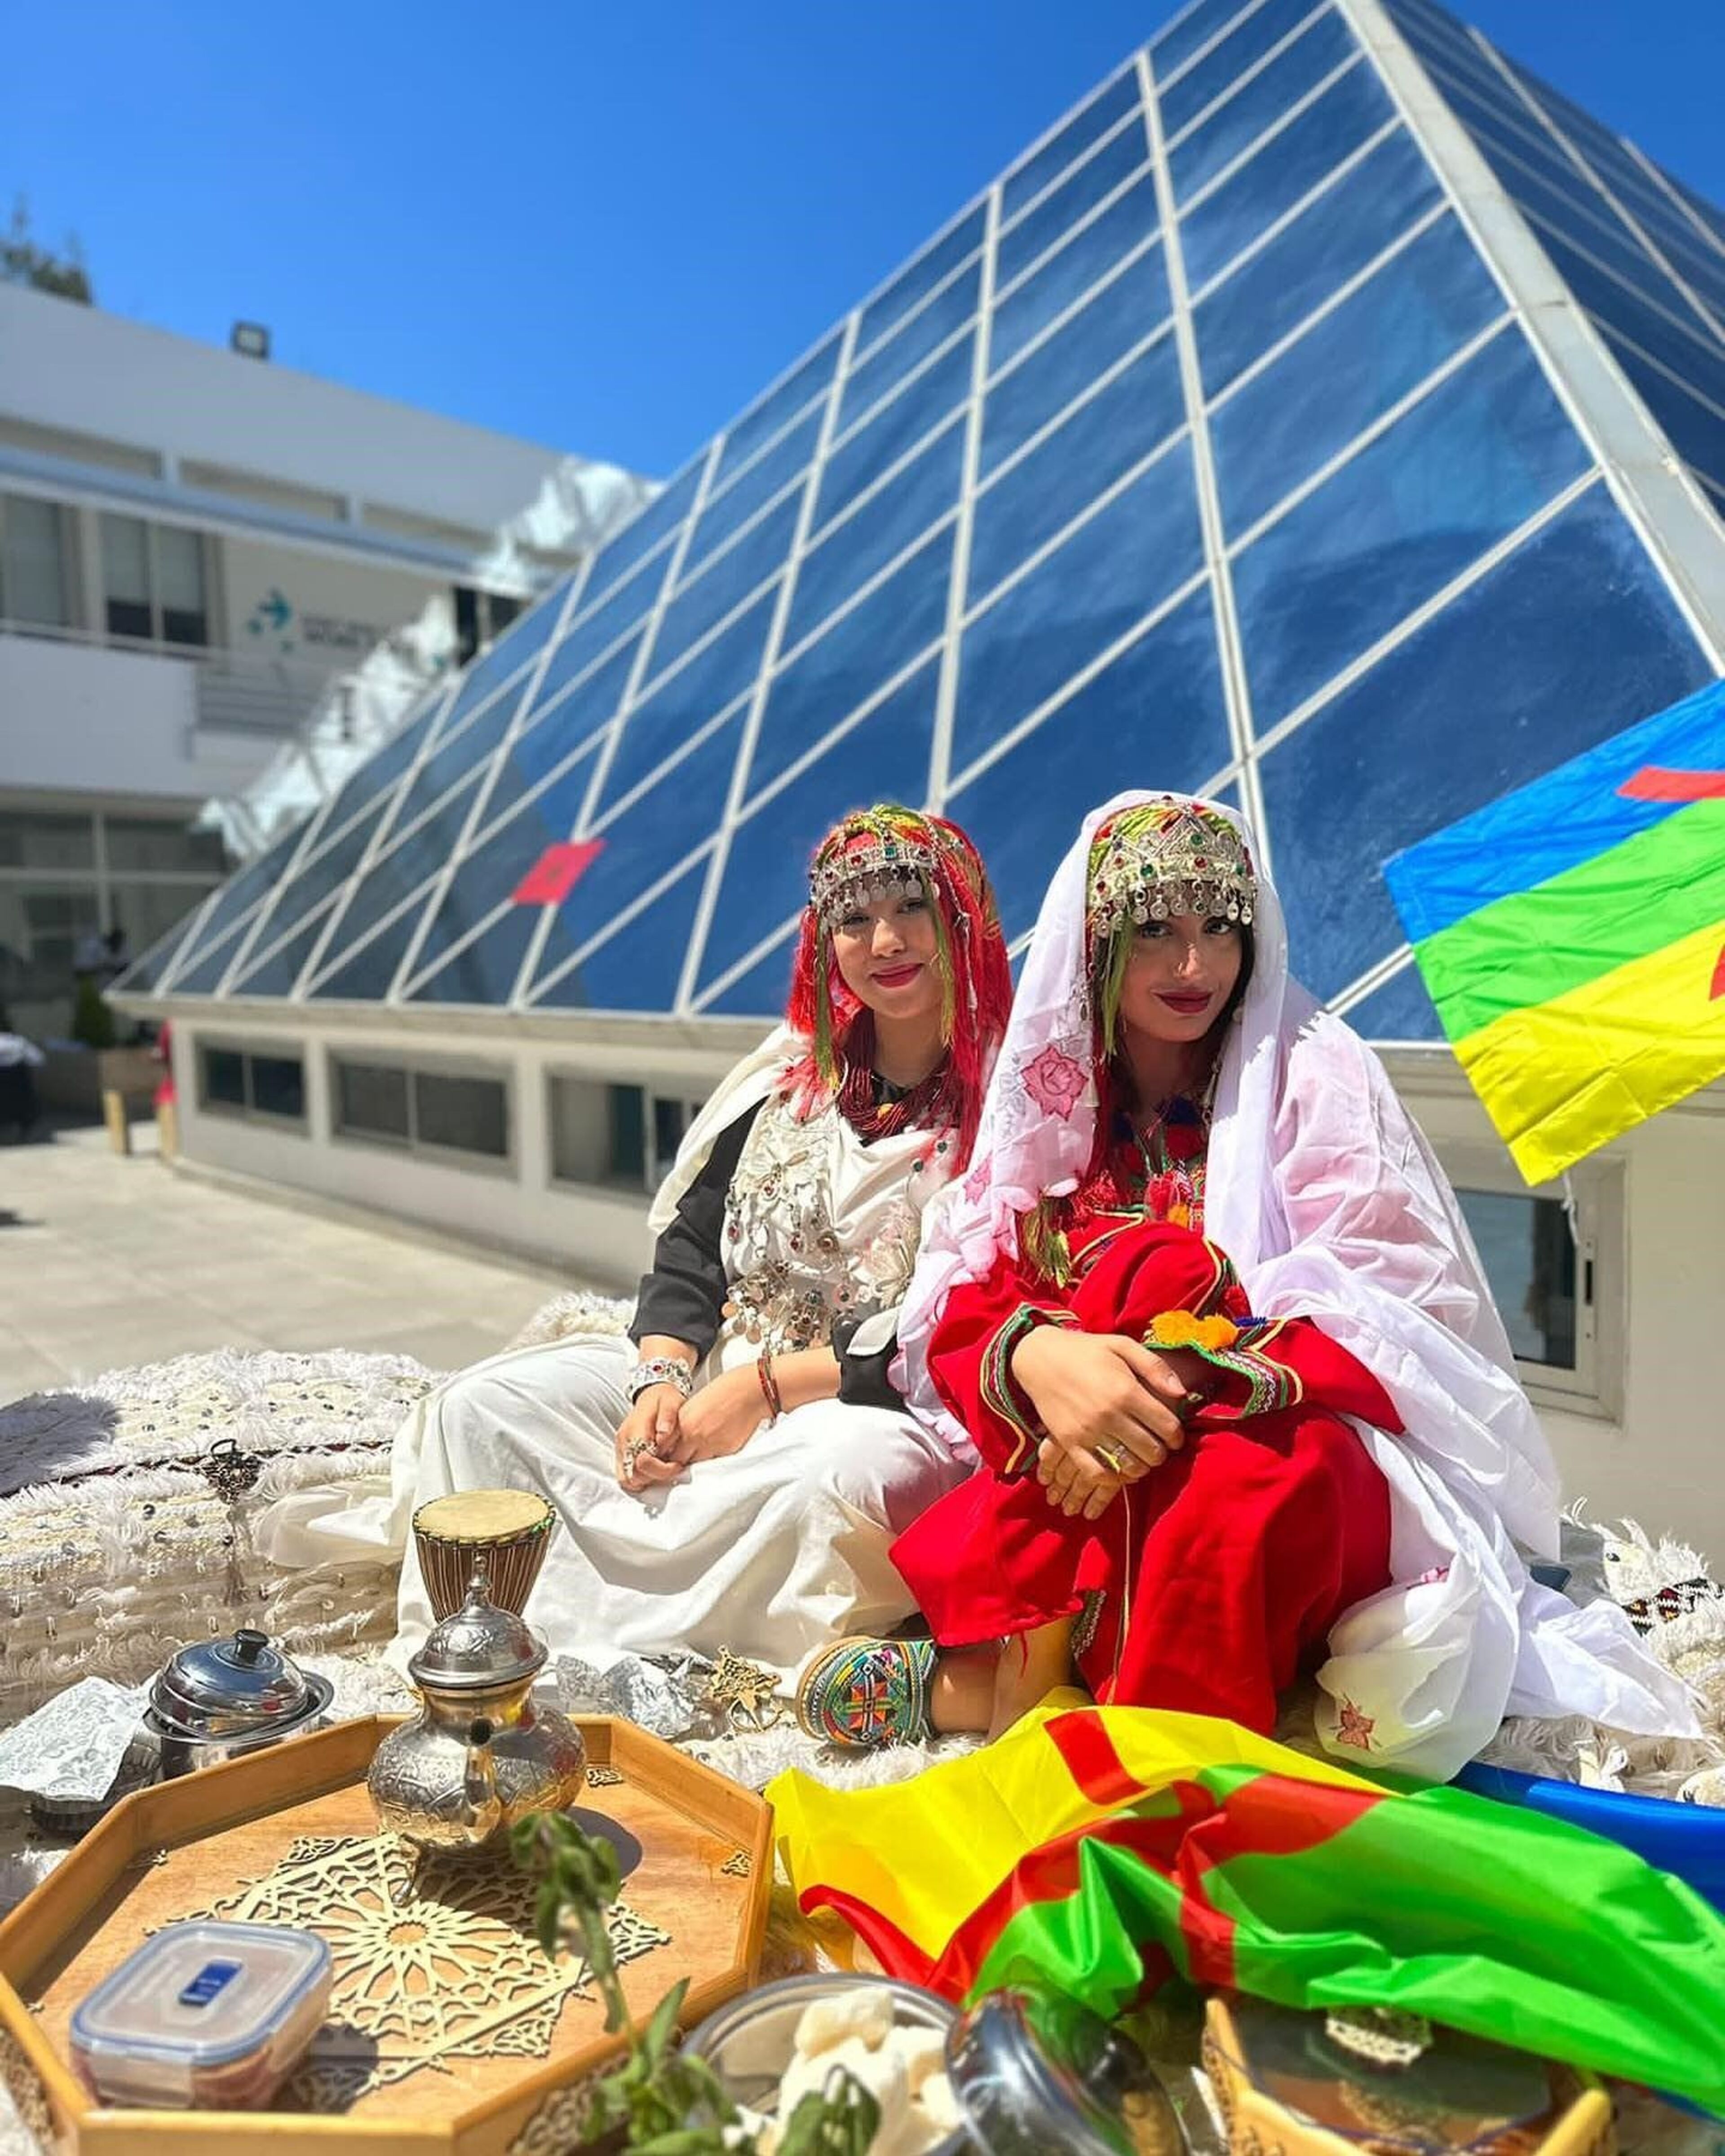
[1653, 783]
[557, 872]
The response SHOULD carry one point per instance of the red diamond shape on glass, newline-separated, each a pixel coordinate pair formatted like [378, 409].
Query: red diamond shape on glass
[557, 872]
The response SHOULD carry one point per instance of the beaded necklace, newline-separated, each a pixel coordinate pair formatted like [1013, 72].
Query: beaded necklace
[876, 1108]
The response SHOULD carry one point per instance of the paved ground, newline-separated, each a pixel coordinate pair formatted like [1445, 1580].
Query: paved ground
[106, 1261]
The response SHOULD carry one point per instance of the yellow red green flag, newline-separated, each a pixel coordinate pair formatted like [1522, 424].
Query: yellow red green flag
[1102, 1851]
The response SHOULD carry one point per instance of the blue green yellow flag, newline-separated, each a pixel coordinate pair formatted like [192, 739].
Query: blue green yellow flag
[1572, 936]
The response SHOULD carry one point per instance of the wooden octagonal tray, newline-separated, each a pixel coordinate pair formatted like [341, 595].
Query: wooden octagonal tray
[449, 2031]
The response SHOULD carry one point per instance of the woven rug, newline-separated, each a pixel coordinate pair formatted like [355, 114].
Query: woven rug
[125, 1510]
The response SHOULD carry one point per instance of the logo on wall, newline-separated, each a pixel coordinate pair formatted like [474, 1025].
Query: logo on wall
[272, 614]
[322, 634]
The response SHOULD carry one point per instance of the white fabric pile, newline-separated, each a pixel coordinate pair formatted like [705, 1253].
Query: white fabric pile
[125, 1511]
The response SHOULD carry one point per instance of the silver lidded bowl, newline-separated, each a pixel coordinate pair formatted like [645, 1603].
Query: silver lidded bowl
[219, 1699]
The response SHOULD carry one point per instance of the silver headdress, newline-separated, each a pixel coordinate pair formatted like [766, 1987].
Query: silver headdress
[869, 858]
[1165, 857]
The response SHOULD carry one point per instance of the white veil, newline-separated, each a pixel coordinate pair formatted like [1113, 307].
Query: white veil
[1332, 1206]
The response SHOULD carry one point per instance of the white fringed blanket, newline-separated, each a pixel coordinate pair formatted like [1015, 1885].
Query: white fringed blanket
[125, 1510]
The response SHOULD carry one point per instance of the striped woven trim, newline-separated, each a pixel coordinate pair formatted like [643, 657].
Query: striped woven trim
[999, 1393]
[1272, 1385]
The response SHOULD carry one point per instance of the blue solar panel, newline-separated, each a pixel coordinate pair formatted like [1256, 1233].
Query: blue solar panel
[1022, 530]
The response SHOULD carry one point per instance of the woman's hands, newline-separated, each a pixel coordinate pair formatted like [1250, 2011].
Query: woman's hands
[663, 1434]
[644, 1439]
[1093, 1391]
[720, 1419]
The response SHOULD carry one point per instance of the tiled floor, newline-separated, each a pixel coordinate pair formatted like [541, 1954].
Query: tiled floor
[106, 1261]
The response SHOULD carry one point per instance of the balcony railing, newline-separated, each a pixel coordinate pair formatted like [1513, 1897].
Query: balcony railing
[235, 691]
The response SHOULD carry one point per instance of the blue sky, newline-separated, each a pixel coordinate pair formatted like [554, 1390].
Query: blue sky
[606, 228]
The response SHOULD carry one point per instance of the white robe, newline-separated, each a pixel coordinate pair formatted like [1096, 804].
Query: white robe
[773, 1551]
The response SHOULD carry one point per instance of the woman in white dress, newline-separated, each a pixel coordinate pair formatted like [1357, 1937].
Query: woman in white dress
[734, 1474]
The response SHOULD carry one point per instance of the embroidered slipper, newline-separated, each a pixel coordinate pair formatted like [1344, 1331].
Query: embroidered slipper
[862, 1693]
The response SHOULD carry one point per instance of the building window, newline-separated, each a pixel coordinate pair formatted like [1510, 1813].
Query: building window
[35, 591]
[159, 848]
[425, 1110]
[462, 1115]
[1531, 1261]
[179, 585]
[32, 841]
[153, 582]
[1555, 1258]
[626, 1158]
[125, 576]
[266, 1083]
[64, 878]
[268, 493]
[42, 925]
[79, 449]
[616, 1136]
[372, 1102]
[480, 619]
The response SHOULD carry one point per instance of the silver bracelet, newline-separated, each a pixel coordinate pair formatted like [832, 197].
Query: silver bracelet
[659, 1370]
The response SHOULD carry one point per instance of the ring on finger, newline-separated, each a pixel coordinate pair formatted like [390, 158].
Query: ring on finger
[1112, 1456]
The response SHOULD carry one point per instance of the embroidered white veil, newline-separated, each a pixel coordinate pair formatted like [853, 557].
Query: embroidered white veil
[1332, 1206]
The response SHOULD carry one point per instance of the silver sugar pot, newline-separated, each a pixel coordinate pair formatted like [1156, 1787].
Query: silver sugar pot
[220, 1699]
[478, 1755]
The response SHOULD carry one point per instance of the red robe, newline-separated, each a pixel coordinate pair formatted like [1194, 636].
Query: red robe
[1206, 1584]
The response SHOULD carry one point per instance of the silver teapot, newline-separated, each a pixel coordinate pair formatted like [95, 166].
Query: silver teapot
[478, 1755]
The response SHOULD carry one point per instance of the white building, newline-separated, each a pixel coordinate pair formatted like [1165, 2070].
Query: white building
[198, 551]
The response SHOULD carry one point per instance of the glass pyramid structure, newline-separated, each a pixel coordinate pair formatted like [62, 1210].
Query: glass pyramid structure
[1326, 414]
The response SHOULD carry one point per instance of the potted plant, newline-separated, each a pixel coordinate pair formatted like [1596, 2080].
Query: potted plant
[660, 2100]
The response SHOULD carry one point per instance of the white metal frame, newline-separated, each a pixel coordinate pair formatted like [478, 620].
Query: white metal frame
[1594, 1195]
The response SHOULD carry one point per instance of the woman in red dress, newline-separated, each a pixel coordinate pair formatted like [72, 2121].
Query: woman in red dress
[1207, 1312]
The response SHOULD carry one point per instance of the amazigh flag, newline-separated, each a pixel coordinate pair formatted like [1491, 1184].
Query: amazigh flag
[1102, 1851]
[1573, 936]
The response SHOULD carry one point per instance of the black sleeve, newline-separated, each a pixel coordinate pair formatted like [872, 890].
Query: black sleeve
[863, 1381]
[683, 1296]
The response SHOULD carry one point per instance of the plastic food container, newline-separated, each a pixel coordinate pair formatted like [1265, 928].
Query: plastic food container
[206, 2016]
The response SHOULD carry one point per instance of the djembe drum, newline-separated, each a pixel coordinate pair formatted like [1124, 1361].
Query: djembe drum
[511, 1529]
